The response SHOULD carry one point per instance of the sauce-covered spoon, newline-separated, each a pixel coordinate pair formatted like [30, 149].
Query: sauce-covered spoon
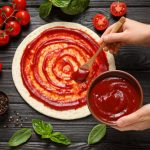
[82, 73]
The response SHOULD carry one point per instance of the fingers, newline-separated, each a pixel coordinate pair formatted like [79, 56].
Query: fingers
[113, 48]
[136, 127]
[114, 38]
[129, 119]
[139, 120]
[138, 116]
[108, 30]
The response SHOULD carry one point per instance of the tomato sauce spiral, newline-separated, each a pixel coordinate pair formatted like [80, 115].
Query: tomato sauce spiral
[49, 61]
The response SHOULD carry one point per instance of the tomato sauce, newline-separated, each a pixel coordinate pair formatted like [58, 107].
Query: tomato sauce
[112, 98]
[80, 75]
[49, 61]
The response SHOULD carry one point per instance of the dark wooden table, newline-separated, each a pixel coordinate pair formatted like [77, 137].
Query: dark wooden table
[133, 59]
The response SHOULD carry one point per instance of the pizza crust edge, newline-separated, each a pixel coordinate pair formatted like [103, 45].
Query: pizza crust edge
[39, 106]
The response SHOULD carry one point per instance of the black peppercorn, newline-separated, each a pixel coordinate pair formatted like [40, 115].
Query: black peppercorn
[3, 103]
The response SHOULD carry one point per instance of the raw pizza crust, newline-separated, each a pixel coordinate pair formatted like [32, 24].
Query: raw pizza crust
[16, 74]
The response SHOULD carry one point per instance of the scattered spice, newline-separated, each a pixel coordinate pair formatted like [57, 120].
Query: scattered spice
[5, 126]
[10, 117]
[20, 125]
[16, 119]
[16, 124]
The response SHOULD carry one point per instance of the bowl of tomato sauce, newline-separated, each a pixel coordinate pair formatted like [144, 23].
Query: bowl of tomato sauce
[113, 95]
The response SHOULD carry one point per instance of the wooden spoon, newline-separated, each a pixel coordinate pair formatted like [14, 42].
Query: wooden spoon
[81, 74]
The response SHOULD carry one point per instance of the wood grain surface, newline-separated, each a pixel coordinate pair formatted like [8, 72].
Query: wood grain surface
[133, 59]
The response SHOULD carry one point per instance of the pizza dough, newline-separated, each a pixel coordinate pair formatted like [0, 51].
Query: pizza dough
[37, 105]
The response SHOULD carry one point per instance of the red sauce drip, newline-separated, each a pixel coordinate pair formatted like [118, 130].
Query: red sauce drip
[113, 98]
[49, 61]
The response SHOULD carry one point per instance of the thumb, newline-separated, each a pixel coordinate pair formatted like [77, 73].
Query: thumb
[114, 37]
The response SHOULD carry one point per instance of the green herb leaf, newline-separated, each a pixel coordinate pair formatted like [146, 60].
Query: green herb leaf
[97, 133]
[41, 127]
[20, 136]
[61, 3]
[76, 7]
[45, 8]
[58, 137]
[47, 136]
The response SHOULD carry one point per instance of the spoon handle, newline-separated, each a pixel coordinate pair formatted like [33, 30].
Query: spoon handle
[115, 29]
[118, 25]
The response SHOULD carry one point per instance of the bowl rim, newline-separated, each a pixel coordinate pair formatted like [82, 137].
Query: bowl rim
[131, 77]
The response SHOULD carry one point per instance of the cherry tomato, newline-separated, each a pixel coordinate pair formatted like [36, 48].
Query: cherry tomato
[13, 28]
[23, 17]
[118, 9]
[19, 4]
[1, 22]
[100, 22]
[4, 38]
[1, 66]
[6, 12]
[0, 11]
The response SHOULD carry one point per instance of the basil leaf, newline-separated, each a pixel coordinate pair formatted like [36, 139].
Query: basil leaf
[61, 3]
[45, 8]
[20, 136]
[41, 127]
[58, 137]
[97, 133]
[76, 7]
[46, 136]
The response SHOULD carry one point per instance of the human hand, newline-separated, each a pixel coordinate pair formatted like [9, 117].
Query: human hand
[132, 32]
[139, 120]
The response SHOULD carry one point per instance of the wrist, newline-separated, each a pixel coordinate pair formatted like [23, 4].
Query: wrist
[146, 40]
